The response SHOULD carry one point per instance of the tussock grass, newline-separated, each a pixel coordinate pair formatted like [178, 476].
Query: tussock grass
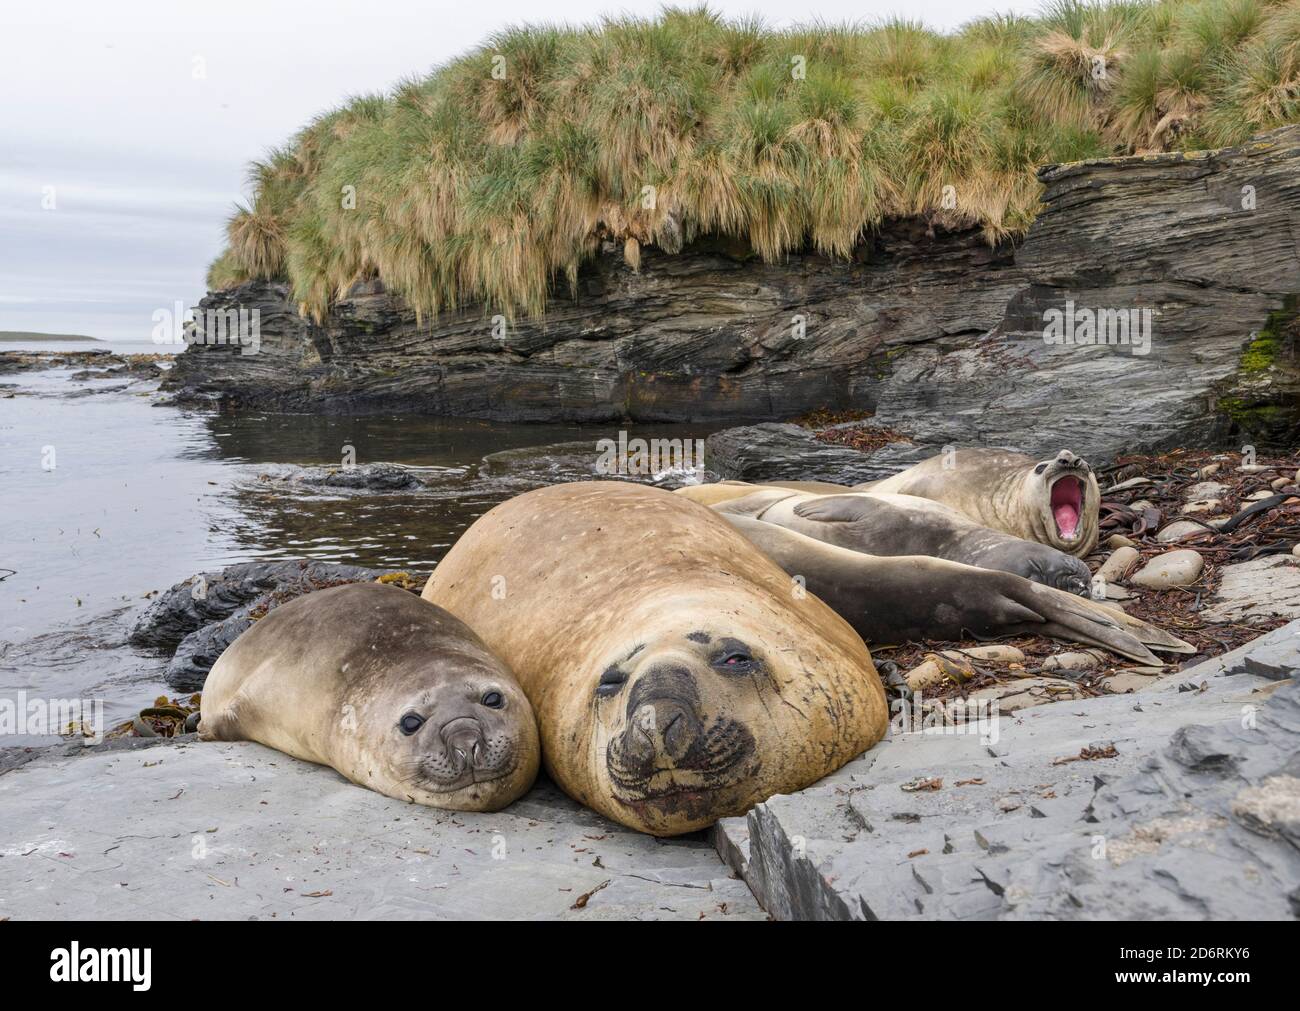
[495, 176]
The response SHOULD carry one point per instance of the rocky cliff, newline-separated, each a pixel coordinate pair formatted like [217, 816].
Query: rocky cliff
[1192, 261]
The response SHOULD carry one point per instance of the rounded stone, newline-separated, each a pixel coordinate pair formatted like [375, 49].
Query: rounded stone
[1173, 568]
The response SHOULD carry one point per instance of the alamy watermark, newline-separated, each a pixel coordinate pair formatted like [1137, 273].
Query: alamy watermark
[955, 716]
[52, 717]
[651, 457]
[1073, 327]
[241, 327]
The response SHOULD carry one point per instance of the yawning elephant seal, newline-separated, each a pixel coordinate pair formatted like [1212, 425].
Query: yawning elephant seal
[883, 524]
[1054, 501]
[893, 600]
[392, 692]
[678, 675]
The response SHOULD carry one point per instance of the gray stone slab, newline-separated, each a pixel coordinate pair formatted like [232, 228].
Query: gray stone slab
[1178, 801]
[233, 831]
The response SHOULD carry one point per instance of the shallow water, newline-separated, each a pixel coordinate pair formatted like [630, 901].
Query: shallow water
[141, 496]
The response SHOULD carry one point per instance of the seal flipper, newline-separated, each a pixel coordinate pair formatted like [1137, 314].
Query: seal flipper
[893, 599]
[837, 508]
[1080, 614]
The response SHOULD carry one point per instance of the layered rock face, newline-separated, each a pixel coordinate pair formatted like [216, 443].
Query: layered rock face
[1194, 260]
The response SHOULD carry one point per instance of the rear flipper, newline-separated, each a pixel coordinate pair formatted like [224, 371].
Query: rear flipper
[889, 600]
[1088, 611]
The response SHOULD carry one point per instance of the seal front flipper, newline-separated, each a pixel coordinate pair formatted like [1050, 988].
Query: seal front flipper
[836, 509]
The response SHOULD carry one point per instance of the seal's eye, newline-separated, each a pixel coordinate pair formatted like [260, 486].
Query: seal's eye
[410, 723]
[611, 681]
[494, 700]
[733, 658]
[1040, 468]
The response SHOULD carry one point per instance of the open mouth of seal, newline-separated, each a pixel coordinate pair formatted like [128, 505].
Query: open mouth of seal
[1067, 505]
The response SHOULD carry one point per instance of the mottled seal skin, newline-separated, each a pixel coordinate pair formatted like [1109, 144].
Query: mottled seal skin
[1054, 501]
[678, 675]
[894, 600]
[392, 692]
[891, 525]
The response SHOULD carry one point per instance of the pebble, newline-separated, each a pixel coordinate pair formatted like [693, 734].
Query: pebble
[1207, 505]
[1209, 470]
[1204, 490]
[1282, 482]
[1173, 568]
[1177, 531]
[1133, 482]
[1116, 567]
[1141, 504]
[1120, 541]
[1257, 496]
[933, 670]
[1071, 661]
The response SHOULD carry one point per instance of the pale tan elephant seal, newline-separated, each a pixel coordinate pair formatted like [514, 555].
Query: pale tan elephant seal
[1054, 501]
[678, 675]
[392, 692]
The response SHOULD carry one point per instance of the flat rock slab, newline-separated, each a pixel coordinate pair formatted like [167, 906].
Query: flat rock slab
[1258, 590]
[1167, 804]
[238, 831]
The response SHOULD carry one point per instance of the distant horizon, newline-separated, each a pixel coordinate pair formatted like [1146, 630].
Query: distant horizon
[37, 335]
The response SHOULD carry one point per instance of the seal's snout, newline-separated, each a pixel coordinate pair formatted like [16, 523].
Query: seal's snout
[662, 727]
[1075, 577]
[464, 741]
[663, 718]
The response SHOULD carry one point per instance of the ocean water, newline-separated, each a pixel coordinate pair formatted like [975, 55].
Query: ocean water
[107, 496]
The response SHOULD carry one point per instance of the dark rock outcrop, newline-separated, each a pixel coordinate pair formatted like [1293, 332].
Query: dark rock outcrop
[939, 334]
[353, 477]
[197, 619]
[779, 452]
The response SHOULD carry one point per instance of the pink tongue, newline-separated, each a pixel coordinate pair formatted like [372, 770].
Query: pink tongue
[1067, 518]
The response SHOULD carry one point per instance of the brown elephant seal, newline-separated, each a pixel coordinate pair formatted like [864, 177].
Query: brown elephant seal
[678, 675]
[1054, 501]
[891, 525]
[392, 692]
[893, 600]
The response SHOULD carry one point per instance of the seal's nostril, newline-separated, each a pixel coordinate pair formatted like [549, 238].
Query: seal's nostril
[463, 739]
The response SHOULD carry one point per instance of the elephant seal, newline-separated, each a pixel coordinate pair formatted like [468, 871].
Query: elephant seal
[394, 693]
[893, 600]
[678, 675]
[882, 524]
[1054, 501]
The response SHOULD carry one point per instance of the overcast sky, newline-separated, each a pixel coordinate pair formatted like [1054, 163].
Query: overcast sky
[104, 116]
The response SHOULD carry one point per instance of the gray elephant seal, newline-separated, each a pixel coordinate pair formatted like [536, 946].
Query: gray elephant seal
[392, 692]
[1054, 501]
[893, 600]
[676, 675]
[892, 525]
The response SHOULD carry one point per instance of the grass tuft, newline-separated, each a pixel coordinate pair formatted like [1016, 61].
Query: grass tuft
[493, 178]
